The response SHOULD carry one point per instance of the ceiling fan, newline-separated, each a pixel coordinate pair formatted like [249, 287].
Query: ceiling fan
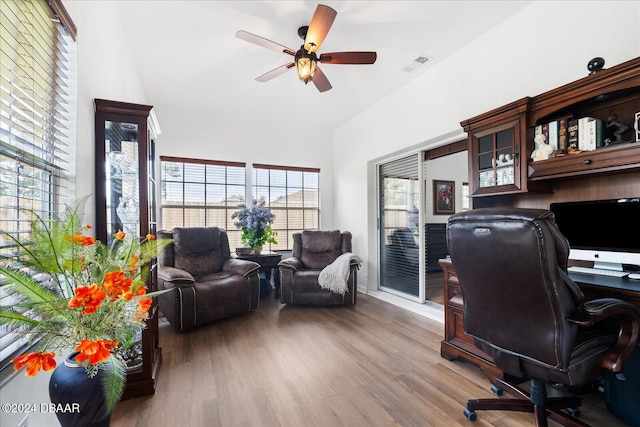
[305, 58]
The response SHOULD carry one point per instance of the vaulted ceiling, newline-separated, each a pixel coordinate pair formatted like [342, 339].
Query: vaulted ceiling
[187, 54]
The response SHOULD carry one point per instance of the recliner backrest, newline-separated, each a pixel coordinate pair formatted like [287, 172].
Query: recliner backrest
[511, 264]
[317, 249]
[200, 250]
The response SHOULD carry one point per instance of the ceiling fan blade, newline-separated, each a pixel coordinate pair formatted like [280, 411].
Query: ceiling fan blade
[348, 58]
[261, 41]
[320, 80]
[275, 72]
[319, 27]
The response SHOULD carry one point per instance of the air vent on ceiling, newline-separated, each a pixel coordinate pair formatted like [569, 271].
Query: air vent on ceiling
[420, 60]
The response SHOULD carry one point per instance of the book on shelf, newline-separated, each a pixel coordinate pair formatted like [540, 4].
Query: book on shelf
[572, 133]
[590, 133]
[562, 135]
[552, 134]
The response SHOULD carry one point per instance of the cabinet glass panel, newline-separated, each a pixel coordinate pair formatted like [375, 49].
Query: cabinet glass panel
[504, 139]
[122, 193]
[485, 144]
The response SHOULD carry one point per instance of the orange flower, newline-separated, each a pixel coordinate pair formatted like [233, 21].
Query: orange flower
[34, 362]
[116, 284]
[133, 264]
[80, 239]
[120, 235]
[151, 236]
[96, 351]
[129, 295]
[143, 308]
[87, 297]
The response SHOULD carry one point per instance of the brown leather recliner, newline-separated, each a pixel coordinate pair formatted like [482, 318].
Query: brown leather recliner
[521, 307]
[207, 284]
[313, 251]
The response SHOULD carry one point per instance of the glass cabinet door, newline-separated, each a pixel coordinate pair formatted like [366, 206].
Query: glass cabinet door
[496, 159]
[122, 190]
[497, 141]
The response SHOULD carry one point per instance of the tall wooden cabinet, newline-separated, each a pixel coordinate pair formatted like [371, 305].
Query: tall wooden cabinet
[126, 200]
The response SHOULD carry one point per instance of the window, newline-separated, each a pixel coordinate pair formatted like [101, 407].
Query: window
[292, 193]
[201, 193]
[37, 54]
[207, 192]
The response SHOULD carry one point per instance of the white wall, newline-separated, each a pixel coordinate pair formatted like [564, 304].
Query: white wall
[106, 71]
[546, 45]
[448, 168]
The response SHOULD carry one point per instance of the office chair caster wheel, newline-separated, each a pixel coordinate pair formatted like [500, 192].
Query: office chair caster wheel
[574, 412]
[497, 390]
[471, 415]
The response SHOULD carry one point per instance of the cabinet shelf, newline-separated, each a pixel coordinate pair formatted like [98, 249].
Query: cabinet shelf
[616, 158]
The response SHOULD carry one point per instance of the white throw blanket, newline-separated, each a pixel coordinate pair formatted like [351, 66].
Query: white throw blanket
[335, 275]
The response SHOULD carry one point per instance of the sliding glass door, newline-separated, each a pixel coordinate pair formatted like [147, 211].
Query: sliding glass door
[399, 219]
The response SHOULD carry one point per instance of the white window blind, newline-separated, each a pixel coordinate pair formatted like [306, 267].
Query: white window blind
[293, 195]
[37, 89]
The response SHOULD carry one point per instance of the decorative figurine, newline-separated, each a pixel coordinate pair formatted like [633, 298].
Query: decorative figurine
[617, 128]
[543, 150]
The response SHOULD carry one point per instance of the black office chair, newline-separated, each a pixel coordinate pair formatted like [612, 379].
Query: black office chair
[522, 308]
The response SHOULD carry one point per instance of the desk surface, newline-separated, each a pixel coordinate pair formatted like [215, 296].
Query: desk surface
[622, 283]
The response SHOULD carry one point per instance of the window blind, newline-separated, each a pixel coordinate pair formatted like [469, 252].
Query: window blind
[37, 101]
[399, 224]
[293, 195]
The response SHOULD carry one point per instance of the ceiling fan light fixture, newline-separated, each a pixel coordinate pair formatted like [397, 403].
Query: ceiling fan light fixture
[305, 65]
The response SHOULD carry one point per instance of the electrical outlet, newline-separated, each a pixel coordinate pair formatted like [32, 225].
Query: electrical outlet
[24, 422]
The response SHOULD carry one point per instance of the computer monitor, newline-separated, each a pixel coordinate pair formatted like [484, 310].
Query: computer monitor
[606, 232]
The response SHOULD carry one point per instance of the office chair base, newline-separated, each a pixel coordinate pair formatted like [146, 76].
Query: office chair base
[552, 407]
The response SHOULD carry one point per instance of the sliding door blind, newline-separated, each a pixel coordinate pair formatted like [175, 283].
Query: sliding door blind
[399, 222]
[37, 89]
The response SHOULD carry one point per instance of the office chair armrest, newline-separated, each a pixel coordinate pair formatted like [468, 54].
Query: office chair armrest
[240, 266]
[174, 277]
[291, 263]
[627, 314]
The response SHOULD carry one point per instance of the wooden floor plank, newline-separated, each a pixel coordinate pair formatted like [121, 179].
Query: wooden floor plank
[374, 364]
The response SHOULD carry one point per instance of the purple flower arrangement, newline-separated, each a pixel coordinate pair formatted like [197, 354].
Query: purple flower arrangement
[255, 222]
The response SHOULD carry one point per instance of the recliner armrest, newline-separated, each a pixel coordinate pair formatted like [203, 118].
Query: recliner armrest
[240, 266]
[175, 276]
[291, 263]
[595, 311]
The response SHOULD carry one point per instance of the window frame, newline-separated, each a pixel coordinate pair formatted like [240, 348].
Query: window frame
[252, 191]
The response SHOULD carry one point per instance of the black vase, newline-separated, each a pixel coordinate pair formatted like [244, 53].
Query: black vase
[77, 399]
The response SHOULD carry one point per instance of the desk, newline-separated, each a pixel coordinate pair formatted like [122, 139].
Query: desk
[268, 263]
[594, 286]
[457, 344]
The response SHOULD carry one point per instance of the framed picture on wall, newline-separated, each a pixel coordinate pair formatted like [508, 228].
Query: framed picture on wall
[444, 197]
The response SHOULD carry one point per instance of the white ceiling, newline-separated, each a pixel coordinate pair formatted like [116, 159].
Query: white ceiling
[188, 57]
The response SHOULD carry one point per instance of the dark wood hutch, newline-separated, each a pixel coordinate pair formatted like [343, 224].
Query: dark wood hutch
[605, 173]
[126, 200]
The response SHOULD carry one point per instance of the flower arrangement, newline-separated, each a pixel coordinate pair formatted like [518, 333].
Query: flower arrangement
[255, 222]
[93, 299]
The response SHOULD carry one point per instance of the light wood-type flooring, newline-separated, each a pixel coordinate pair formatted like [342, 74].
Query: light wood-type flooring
[370, 365]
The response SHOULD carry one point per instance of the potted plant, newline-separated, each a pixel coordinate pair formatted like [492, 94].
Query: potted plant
[255, 222]
[78, 295]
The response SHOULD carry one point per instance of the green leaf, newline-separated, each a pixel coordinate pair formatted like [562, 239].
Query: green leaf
[113, 378]
[13, 318]
[26, 286]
